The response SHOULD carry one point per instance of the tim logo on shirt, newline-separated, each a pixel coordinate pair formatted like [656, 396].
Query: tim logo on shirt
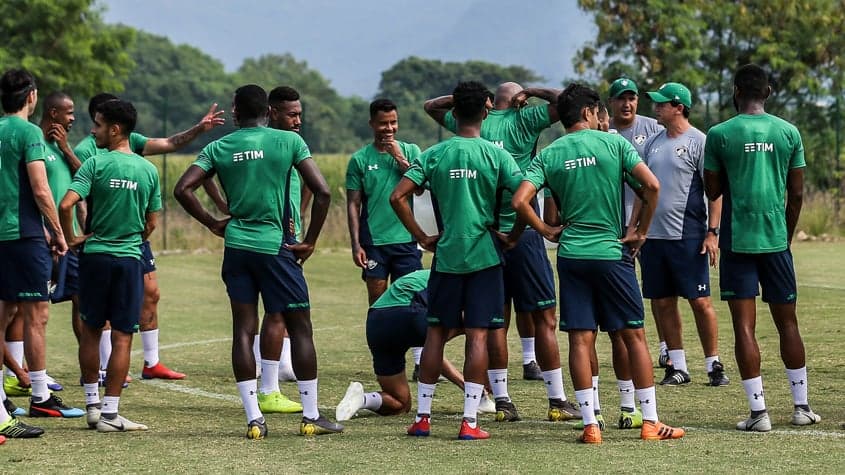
[759, 147]
[247, 155]
[123, 184]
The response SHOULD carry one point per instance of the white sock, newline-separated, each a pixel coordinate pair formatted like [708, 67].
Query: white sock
[648, 403]
[269, 376]
[708, 362]
[798, 384]
[256, 353]
[4, 416]
[372, 401]
[472, 397]
[285, 364]
[308, 397]
[15, 350]
[149, 339]
[39, 385]
[679, 360]
[626, 394]
[417, 352]
[110, 404]
[499, 382]
[662, 348]
[249, 398]
[105, 349]
[3, 397]
[754, 392]
[585, 402]
[92, 393]
[554, 384]
[425, 394]
[528, 350]
[597, 406]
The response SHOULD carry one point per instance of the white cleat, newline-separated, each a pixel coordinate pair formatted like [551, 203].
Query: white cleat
[805, 418]
[352, 401]
[118, 424]
[761, 423]
[92, 415]
[487, 405]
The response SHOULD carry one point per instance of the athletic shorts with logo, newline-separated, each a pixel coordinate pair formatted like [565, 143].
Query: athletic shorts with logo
[65, 277]
[111, 289]
[672, 268]
[391, 260]
[277, 278]
[25, 271]
[597, 294]
[742, 275]
[148, 259]
[528, 277]
[391, 331]
[473, 300]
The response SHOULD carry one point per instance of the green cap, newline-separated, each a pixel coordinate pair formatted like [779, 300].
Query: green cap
[622, 85]
[672, 91]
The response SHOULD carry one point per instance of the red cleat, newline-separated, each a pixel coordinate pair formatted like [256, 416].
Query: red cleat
[469, 433]
[422, 428]
[2, 439]
[161, 372]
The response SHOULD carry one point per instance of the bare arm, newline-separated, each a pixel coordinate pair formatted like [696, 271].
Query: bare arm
[353, 220]
[794, 199]
[712, 185]
[315, 181]
[399, 202]
[648, 196]
[547, 94]
[37, 173]
[438, 107]
[551, 215]
[710, 246]
[185, 194]
[158, 146]
[305, 196]
[210, 187]
[151, 219]
[59, 135]
[66, 207]
[521, 203]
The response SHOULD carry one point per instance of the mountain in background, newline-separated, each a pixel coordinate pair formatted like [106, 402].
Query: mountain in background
[351, 43]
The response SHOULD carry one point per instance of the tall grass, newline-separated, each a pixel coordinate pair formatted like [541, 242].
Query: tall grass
[819, 215]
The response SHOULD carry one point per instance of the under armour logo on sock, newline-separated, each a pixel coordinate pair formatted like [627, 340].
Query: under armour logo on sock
[426, 395]
[626, 390]
[799, 382]
[585, 404]
[548, 383]
[252, 393]
[646, 401]
[304, 393]
[503, 380]
[758, 395]
[474, 396]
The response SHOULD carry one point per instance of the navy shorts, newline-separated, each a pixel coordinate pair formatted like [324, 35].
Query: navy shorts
[599, 294]
[391, 260]
[278, 279]
[110, 289]
[672, 268]
[529, 281]
[391, 332]
[65, 278]
[474, 300]
[742, 275]
[148, 260]
[25, 272]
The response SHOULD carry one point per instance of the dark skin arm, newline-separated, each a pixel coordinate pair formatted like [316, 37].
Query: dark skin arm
[150, 221]
[210, 187]
[353, 213]
[546, 94]
[315, 182]
[551, 216]
[66, 207]
[399, 202]
[794, 199]
[184, 192]
[712, 185]
[438, 107]
[521, 203]
[158, 146]
[58, 134]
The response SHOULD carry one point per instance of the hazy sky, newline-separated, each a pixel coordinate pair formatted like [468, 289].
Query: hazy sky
[352, 42]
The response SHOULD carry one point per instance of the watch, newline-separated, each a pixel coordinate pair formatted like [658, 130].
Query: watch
[715, 231]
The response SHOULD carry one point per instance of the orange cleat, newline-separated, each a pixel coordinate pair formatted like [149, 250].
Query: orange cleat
[660, 431]
[469, 433]
[161, 372]
[421, 428]
[591, 435]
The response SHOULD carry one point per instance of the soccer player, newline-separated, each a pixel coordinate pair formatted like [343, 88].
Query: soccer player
[24, 199]
[683, 236]
[529, 282]
[396, 322]
[141, 145]
[125, 195]
[466, 175]
[585, 171]
[261, 256]
[755, 161]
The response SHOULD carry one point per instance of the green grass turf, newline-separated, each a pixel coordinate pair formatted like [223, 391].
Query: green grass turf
[198, 426]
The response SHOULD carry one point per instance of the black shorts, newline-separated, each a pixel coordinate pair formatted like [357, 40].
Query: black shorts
[391, 260]
[25, 272]
[474, 300]
[391, 331]
[529, 281]
[111, 289]
[148, 260]
[278, 278]
[742, 275]
[65, 278]
[672, 268]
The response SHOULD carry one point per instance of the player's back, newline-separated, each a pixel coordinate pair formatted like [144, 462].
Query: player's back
[20, 142]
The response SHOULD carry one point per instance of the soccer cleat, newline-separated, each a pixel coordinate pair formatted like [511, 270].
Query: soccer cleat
[352, 401]
[717, 375]
[659, 431]
[506, 411]
[422, 427]
[487, 405]
[319, 426]
[802, 417]
[532, 372]
[256, 429]
[53, 385]
[2, 439]
[560, 410]
[630, 420]
[277, 403]
[13, 387]
[591, 435]
[599, 420]
[13, 409]
[118, 424]
[675, 377]
[92, 415]
[761, 423]
[159, 371]
[53, 407]
[663, 360]
[14, 428]
[472, 433]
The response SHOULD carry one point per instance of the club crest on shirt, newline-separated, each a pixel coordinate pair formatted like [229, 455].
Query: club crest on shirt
[680, 151]
[639, 139]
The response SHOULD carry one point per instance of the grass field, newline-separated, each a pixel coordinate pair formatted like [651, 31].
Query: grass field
[198, 426]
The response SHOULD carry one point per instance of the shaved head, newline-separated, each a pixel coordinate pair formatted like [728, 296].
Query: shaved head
[56, 100]
[504, 94]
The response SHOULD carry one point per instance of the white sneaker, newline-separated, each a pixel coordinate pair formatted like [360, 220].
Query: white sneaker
[761, 423]
[118, 424]
[487, 405]
[352, 401]
[804, 418]
[92, 415]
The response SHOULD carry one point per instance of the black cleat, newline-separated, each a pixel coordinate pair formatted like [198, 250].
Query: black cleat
[506, 411]
[717, 375]
[532, 372]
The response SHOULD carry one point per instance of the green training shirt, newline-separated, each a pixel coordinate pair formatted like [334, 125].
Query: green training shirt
[467, 177]
[21, 142]
[375, 174]
[254, 165]
[755, 154]
[121, 189]
[59, 175]
[516, 131]
[401, 292]
[584, 171]
[87, 147]
[296, 202]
